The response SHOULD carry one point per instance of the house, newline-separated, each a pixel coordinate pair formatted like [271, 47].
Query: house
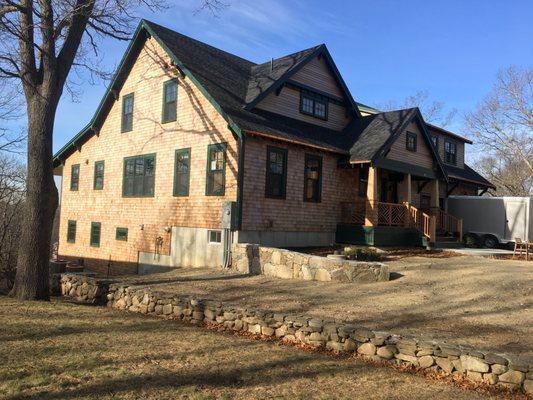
[186, 130]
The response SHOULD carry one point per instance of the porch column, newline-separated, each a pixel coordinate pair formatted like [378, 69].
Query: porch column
[371, 208]
[434, 206]
[408, 181]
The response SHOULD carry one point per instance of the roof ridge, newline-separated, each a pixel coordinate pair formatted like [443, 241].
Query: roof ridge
[312, 48]
[143, 20]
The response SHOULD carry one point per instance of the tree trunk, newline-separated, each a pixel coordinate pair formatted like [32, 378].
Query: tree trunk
[32, 277]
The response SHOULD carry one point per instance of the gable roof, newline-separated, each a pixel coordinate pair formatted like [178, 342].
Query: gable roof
[263, 76]
[225, 79]
[272, 75]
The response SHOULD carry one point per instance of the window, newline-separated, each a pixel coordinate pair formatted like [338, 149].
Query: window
[435, 141]
[71, 231]
[313, 104]
[74, 177]
[450, 152]
[276, 173]
[139, 176]
[410, 142]
[182, 171]
[95, 234]
[98, 175]
[214, 236]
[127, 113]
[170, 97]
[313, 178]
[216, 170]
[122, 234]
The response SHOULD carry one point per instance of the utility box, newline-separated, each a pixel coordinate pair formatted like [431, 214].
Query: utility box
[229, 215]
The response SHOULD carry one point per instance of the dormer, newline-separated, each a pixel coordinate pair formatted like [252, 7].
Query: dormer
[305, 86]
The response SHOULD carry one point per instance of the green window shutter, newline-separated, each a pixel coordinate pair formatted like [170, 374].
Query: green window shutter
[276, 173]
[138, 178]
[74, 177]
[98, 175]
[122, 234]
[71, 231]
[127, 113]
[216, 170]
[170, 101]
[95, 234]
[182, 172]
[313, 178]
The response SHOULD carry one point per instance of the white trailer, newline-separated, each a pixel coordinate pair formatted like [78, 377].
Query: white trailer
[494, 220]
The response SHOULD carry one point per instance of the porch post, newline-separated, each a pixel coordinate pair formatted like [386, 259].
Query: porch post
[408, 188]
[434, 206]
[371, 208]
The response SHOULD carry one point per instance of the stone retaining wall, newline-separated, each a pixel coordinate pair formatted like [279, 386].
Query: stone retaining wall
[332, 334]
[280, 263]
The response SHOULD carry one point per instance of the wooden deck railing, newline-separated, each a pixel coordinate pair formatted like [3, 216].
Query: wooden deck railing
[391, 214]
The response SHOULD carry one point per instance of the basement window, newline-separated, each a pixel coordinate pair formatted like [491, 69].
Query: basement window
[95, 234]
[214, 236]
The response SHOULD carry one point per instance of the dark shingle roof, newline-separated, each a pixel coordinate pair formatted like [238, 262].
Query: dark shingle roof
[374, 131]
[467, 174]
[263, 76]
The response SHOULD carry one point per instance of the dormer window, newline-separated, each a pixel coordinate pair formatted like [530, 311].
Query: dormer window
[450, 152]
[313, 104]
[410, 143]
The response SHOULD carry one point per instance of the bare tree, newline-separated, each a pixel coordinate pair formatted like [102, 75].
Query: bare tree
[12, 193]
[433, 111]
[41, 42]
[503, 127]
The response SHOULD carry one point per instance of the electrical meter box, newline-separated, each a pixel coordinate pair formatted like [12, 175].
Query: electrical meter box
[229, 215]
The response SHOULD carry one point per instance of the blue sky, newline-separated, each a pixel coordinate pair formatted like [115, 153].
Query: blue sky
[385, 50]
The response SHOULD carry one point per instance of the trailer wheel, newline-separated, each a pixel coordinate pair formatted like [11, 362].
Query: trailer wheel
[490, 241]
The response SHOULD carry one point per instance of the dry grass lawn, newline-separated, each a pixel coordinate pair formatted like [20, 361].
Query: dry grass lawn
[61, 350]
[466, 300]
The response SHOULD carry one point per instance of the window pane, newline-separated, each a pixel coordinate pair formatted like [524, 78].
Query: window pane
[71, 231]
[313, 175]
[215, 178]
[307, 104]
[320, 109]
[181, 174]
[169, 101]
[127, 113]
[139, 176]
[95, 234]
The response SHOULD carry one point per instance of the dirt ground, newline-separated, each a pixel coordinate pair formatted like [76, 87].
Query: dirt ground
[59, 350]
[465, 300]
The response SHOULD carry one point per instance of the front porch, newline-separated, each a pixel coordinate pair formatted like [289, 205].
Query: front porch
[396, 207]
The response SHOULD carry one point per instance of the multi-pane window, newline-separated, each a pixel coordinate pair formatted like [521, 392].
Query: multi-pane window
[450, 152]
[410, 141]
[313, 104]
[435, 141]
[71, 231]
[170, 97]
[182, 171]
[127, 113]
[214, 236]
[74, 177]
[313, 178]
[98, 175]
[139, 176]
[216, 170]
[95, 234]
[276, 172]
[122, 234]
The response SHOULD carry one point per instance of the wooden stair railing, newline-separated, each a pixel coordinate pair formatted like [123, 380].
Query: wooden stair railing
[449, 223]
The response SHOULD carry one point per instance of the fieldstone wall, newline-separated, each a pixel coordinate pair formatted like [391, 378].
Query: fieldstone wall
[84, 287]
[285, 264]
[331, 334]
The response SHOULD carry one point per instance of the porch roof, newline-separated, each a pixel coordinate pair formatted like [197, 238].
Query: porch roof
[467, 174]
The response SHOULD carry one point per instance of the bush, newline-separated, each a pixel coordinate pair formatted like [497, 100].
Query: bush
[363, 254]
